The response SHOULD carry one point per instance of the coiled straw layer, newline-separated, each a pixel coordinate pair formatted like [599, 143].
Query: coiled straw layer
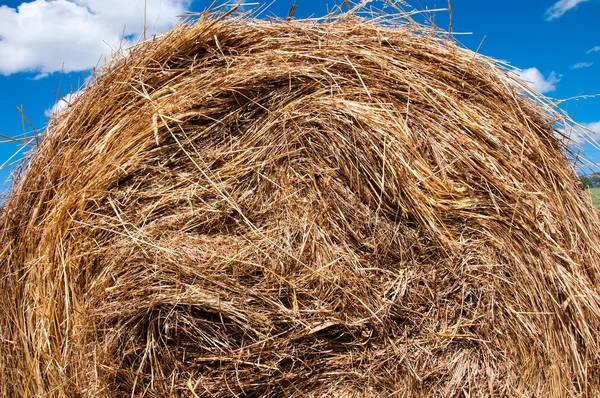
[291, 208]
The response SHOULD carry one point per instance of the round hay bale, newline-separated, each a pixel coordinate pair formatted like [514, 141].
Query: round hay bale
[267, 209]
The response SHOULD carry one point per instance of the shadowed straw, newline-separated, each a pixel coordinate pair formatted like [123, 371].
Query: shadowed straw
[300, 208]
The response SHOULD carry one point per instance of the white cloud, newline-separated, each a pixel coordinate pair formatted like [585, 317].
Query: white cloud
[594, 126]
[46, 36]
[581, 65]
[593, 49]
[560, 8]
[583, 132]
[62, 103]
[536, 81]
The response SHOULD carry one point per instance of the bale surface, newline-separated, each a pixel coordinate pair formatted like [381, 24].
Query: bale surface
[268, 209]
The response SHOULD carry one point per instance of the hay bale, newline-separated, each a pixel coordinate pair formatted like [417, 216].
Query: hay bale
[253, 208]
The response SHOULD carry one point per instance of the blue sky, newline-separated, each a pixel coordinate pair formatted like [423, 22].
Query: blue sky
[556, 43]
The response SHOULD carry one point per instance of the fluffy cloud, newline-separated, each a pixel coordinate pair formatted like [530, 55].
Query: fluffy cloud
[581, 65]
[46, 36]
[62, 103]
[595, 127]
[583, 132]
[536, 81]
[593, 49]
[561, 7]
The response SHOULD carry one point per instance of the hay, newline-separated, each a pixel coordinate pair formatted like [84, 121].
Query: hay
[253, 208]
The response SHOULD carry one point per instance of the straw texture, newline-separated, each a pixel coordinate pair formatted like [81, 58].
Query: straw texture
[299, 209]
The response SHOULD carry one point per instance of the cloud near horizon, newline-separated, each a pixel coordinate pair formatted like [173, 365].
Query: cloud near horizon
[583, 132]
[536, 80]
[62, 103]
[560, 8]
[46, 36]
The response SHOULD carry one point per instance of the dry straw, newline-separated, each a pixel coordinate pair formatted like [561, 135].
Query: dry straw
[349, 207]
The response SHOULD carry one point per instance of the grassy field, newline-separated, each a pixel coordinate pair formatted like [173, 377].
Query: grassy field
[595, 194]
